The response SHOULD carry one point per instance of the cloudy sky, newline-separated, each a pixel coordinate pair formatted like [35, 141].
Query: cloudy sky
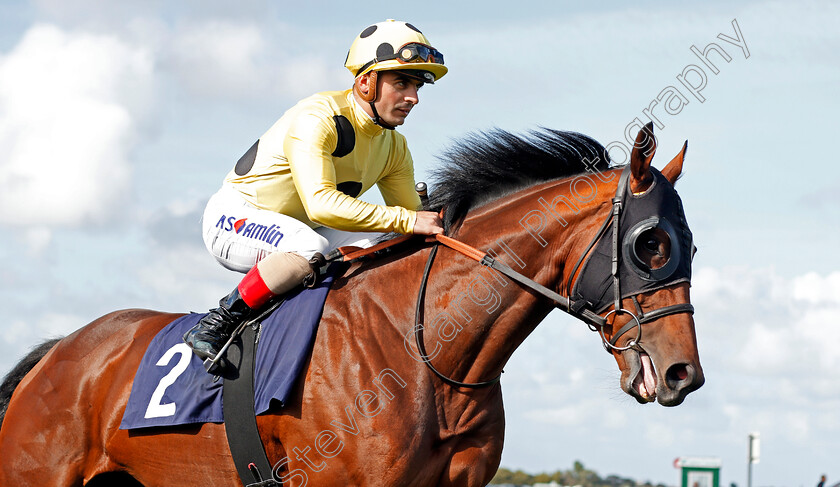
[119, 119]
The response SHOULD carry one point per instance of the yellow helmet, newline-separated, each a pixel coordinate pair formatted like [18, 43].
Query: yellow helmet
[394, 45]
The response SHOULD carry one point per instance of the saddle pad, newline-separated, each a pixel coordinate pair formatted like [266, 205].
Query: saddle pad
[172, 388]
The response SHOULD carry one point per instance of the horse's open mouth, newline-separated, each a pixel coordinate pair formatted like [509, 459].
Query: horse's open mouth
[641, 380]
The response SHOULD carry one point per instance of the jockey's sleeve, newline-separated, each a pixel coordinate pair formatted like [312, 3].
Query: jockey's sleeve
[397, 186]
[308, 147]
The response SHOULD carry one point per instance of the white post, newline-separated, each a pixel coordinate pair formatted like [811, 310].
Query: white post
[753, 456]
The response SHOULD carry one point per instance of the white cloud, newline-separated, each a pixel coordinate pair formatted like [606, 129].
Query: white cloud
[816, 289]
[767, 345]
[67, 126]
[717, 287]
[817, 335]
[772, 324]
[767, 350]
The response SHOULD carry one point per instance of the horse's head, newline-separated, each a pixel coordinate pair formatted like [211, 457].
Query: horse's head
[630, 283]
[645, 297]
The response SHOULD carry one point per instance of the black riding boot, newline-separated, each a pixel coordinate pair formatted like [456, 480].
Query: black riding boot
[213, 331]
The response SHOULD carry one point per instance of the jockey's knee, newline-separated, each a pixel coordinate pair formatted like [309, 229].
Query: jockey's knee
[283, 271]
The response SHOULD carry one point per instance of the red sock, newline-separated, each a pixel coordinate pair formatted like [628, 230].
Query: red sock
[253, 289]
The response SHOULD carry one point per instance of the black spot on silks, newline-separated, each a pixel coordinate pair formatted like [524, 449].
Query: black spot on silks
[350, 188]
[246, 162]
[346, 136]
[367, 32]
[415, 29]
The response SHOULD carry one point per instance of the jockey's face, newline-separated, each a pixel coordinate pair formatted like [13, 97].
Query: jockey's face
[396, 95]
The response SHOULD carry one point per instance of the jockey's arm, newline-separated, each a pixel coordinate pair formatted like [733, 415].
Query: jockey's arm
[397, 189]
[308, 148]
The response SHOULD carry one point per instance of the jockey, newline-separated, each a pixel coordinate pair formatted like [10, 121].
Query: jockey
[293, 194]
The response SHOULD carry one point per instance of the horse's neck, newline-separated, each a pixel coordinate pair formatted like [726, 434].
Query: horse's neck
[483, 316]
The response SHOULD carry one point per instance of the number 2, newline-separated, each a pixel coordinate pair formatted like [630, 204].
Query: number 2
[156, 409]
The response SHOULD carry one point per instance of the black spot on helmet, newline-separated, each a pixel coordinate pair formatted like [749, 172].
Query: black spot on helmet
[367, 32]
[384, 49]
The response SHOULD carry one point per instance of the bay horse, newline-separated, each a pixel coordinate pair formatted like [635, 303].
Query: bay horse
[367, 411]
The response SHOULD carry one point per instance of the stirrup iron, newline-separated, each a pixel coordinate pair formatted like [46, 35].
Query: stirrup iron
[218, 363]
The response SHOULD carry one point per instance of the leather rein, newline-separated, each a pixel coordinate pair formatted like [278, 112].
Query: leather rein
[578, 308]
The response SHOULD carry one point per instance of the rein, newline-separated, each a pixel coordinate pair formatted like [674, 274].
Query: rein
[579, 308]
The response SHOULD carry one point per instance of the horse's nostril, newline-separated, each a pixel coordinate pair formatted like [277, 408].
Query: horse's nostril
[677, 373]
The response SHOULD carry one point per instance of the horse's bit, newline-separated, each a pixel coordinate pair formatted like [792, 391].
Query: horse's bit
[590, 294]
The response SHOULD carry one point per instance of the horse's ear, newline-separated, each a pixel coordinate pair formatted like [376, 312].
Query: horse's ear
[674, 168]
[643, 150]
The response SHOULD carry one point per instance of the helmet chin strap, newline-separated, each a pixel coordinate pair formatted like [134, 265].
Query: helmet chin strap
[370, 97]
[378, 120]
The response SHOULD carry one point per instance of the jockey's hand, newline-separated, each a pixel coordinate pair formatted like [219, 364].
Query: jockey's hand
[428, 223]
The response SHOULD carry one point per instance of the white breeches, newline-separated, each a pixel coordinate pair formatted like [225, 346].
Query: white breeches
[239, 235]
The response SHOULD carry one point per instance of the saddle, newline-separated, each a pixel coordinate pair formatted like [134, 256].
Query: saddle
[243, 437]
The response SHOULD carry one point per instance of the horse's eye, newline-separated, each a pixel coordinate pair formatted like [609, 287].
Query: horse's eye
[652, 245]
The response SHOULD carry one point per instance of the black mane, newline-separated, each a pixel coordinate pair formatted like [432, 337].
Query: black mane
[486, 166]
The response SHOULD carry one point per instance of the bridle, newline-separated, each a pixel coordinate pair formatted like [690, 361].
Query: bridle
[579, 308]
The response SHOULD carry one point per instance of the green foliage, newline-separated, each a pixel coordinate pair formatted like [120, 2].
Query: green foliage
[577, 475]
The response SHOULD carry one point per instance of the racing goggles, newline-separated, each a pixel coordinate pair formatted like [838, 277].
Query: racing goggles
[413, 52]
